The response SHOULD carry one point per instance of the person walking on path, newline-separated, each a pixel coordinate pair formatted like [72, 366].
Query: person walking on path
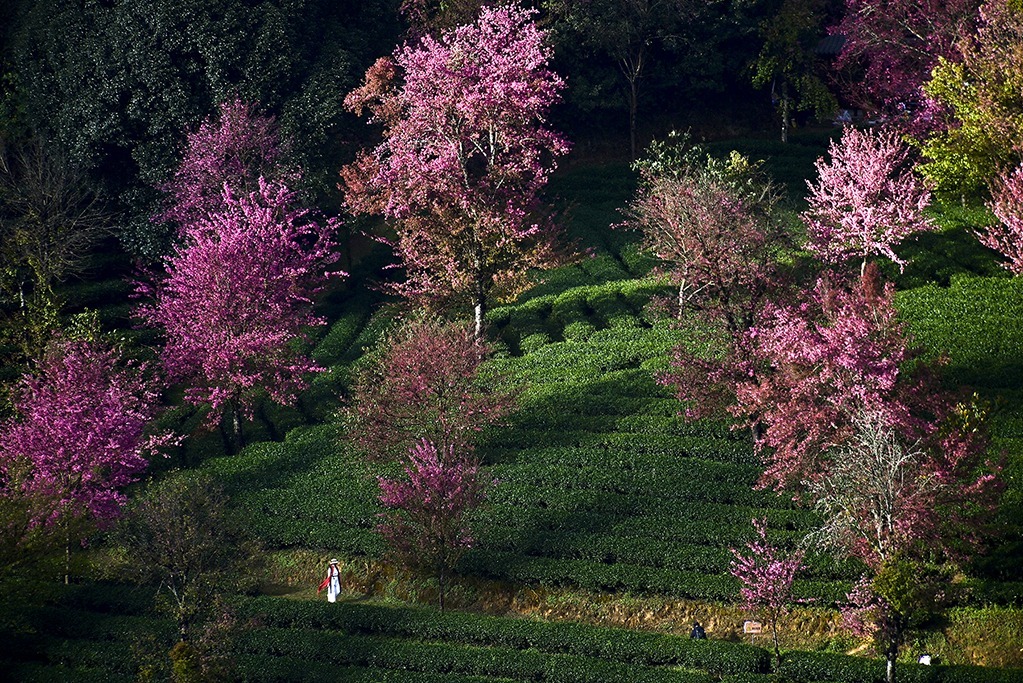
[333, 581]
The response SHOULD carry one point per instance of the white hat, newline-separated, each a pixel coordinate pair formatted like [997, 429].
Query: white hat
[334, 561]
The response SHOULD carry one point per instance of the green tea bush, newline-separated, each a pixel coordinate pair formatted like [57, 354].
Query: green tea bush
[975, 322]
[394, 653]
[48, 673]
[578, 331]
[337, 346]
[805, 667]
[116, 659]
[603, 268]
[274, 669]
[534, 342]
[975, 674]
[635, 648]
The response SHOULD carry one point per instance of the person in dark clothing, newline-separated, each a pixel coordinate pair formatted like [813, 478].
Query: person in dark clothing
[698, 633]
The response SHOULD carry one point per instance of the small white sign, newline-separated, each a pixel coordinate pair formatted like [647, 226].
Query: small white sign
[752, 627]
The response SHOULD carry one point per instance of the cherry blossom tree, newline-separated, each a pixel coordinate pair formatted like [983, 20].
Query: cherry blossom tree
[897, 44]
[765, 574]
[711, 224]
[1006, 237]
[464, 156]
[902, 595]
[236, 148]
[79, 435]
[866, 200]
[426, 526]
[426, 381]
[814, 365]
[237, 296]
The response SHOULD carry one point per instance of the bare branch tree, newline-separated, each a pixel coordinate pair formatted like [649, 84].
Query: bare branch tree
[876, 495]
[49, 219]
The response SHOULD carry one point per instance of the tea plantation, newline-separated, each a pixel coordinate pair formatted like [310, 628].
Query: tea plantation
[599, 486]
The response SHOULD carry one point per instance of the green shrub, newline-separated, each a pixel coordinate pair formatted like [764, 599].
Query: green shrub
[805, 667]
[976, 674]
[618, 646]
[534, 342]
[337, 345]
[48, 673]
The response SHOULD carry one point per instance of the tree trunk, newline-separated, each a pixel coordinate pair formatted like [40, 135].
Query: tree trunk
[777, 647]
[891, 654]
[67, 545]
[440, 586]
[231, 428]
[681, 298]
[480, 304]
[784, 114]
[478, 312]
[633, 108]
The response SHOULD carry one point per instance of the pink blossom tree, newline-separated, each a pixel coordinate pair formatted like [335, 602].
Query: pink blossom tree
[79, 435]
[464, 156]
[866, 200]
[897, 43]
[426, 382]
[237, 148]
[814, 365]
[1006, 237]
[426, 525]
[237, 297]
[765, 573]
[711, 224]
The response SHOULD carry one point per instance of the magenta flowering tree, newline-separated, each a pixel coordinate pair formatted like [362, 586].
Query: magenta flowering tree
[814, 365]
[464, 156]
[426, 525]
[765, 574]
[79, 435]
[426, 382]
[896, 44]
[237, 148]
[237, 298]
[866, 200]
[1006, 237]
[711, 225]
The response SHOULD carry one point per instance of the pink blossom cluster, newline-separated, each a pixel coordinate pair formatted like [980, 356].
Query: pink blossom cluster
[464, 155]
[426, 524]
[715, 243]
[1006, 236]
[815, 365]
[765, 574]
[236, 149]
[897, 43]
[426, 384]
[80, 427]
[866, 200]
[237, 295]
